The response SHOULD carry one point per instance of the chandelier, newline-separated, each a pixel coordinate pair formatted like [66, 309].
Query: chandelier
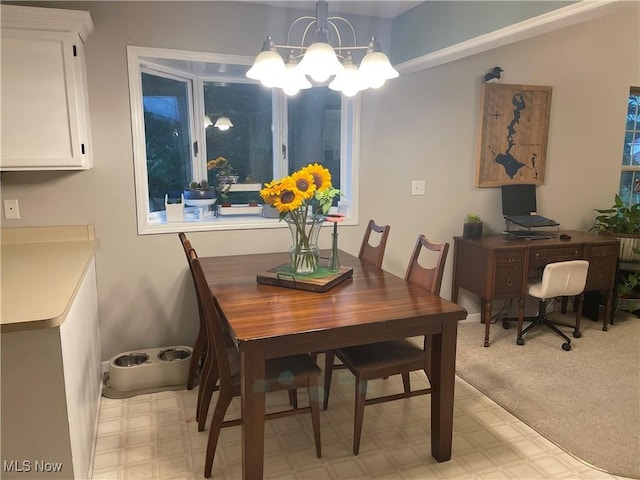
[303, 66]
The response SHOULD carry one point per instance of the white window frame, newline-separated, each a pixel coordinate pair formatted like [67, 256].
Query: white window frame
[153, 223]
[630, 168]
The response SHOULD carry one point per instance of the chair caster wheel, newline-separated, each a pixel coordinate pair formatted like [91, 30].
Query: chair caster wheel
[566, 347]
[520, 341]
[506, 325]
[577, 334]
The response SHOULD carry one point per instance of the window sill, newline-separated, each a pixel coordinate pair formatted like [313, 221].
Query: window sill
[157, 224]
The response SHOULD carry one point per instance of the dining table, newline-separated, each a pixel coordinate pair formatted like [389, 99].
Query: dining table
[371, 305]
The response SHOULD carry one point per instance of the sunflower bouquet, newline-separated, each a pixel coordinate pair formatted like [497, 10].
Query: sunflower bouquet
[293, 196]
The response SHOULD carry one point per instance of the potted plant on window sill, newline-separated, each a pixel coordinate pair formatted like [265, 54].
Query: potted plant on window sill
[201, 196]
[472, 229]
[200, 191]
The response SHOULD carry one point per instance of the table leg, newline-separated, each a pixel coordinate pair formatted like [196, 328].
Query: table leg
[486, 313]
[252, 406]
[455, 290]
[519, 339]
[443, 380]
[608, 311]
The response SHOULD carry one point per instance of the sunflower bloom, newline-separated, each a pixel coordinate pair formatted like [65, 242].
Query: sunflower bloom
[304, 183]
[286, 197]
[302, 199]
[321, 176]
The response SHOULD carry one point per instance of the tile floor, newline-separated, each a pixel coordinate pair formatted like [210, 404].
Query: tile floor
[155, 436]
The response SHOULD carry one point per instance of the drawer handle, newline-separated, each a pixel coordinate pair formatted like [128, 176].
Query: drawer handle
[509, 282]
[604, 253]
[575, 252]
[511, 260]
[537, 254]
[600, 275]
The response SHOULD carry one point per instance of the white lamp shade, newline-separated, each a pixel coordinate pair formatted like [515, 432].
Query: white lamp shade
[375, 69]
[223, 123]
[294, 80]
[320, 62]
[268, 67]
[348, 81]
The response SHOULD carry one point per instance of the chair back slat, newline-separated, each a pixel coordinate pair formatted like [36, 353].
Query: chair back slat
[429, 278]
[215, 329]
[374, 253]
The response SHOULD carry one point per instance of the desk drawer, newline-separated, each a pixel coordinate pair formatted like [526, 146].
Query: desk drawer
[509, 279]
[603, 261]
[560, 254]
[509, 257]
[604, 251]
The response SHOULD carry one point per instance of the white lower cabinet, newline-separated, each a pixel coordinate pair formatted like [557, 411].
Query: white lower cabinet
[51, 387]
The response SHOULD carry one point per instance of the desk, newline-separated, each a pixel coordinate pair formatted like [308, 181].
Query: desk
[267, 321]
[496, 267]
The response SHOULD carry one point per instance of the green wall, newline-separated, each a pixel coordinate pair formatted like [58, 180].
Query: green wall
[434, 25]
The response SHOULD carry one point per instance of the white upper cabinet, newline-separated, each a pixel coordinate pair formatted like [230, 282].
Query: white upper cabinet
[45, 109]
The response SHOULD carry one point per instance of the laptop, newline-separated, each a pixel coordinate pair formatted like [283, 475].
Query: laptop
[519, 207]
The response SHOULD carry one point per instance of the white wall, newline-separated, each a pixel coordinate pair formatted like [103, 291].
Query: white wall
[426, 126]
[422, 125]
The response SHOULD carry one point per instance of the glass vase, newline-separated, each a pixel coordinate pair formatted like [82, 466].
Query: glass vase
[334, 261]
[305, 254]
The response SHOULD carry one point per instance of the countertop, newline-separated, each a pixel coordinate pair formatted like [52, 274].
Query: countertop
[41, 270]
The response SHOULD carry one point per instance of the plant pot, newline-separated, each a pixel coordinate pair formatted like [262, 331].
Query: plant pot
[629, 245]
[199, 194]
[472, 230]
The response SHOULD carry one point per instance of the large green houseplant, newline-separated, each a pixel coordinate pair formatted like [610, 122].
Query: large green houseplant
[620, 218]
[622, 221]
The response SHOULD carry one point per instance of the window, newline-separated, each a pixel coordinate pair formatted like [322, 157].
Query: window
[177, 97]
[630, 178]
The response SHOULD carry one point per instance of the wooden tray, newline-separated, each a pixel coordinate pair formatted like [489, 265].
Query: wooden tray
[321, 281]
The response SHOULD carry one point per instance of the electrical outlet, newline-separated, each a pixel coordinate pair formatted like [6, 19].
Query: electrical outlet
[418, 187]
[11, 211]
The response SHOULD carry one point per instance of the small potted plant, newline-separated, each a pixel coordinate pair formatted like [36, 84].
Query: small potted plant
[472, 228]
[199, 191]
[224, 179]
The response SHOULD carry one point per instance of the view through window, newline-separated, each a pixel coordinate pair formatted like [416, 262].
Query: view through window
[630, 178]
[176, 103]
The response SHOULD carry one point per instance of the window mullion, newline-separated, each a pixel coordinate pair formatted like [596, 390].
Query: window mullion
[199, 160]
[280, 135]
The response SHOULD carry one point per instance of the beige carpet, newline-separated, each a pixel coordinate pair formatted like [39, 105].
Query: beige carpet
[586, 400]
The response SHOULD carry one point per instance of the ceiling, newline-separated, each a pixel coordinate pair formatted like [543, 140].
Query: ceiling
[381, 9]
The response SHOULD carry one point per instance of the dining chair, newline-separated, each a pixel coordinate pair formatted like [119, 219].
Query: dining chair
[200, 345]
[374, 252]
[383, 359]
[284, 373]
[372, 248]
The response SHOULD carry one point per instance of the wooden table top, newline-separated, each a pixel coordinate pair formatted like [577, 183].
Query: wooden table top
[259, 313]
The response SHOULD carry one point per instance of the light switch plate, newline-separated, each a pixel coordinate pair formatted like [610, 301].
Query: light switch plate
[11, 211]
[418, 187]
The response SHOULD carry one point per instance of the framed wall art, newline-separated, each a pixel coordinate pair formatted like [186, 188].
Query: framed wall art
[515, 130]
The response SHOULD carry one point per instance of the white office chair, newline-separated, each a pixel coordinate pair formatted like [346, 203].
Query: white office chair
[560, 279]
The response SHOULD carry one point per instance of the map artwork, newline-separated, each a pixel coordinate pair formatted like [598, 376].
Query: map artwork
[515, 129]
